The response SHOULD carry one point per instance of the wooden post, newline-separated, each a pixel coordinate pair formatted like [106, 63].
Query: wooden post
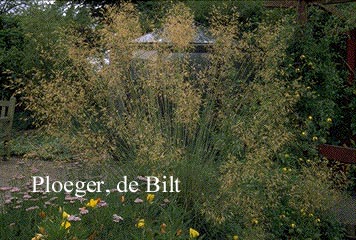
[10, 114]
[302, 12]
[7, 110]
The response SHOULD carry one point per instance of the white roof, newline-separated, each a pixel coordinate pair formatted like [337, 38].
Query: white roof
[157, 37]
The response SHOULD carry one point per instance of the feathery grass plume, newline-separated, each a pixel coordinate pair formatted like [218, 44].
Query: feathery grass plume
[179, 26]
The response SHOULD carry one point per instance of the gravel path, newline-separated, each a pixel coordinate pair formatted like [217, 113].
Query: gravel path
[22, 169]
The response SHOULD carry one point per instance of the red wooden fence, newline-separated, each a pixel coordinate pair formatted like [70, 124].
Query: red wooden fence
[337, 153]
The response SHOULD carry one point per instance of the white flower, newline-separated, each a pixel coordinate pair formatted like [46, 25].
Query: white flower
[117, 218]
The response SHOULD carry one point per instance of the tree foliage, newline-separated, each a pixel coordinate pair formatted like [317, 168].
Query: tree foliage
[29, 41]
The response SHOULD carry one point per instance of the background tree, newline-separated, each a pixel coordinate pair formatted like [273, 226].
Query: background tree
[29, 48]
[12, 6]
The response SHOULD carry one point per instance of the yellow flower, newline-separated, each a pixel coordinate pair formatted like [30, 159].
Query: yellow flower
[304, 133]
[310, 118]
[92, 203]
[65, 225]
[255, 221]
[284, 169]
[292, 225]
[311, 215]
[65, 215]
[122, 199]
[302, 56]
[140, 223]
[193, 233]
[42, 214]
[329, 120]
[315, 138]
[163, 228]
[42, 230]
[235, 237]
[150, 197]
[302, 211]
[317, 220]
[37, 237]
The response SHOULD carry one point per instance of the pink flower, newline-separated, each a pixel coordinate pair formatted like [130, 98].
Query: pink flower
[19, 177]
[83, 211]
[73, 218]
[5, 188]
[26, 196]
[102, 204]
[70, 198]
[138, 200]
[141, 178]
[15, 189]
[32, 208]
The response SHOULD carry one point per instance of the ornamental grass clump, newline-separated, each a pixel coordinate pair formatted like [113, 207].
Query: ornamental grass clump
[218, 129]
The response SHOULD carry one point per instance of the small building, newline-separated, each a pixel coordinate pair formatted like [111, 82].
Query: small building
[197, 54]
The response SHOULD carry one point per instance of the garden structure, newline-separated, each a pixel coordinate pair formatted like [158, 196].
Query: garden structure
[197, 54]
